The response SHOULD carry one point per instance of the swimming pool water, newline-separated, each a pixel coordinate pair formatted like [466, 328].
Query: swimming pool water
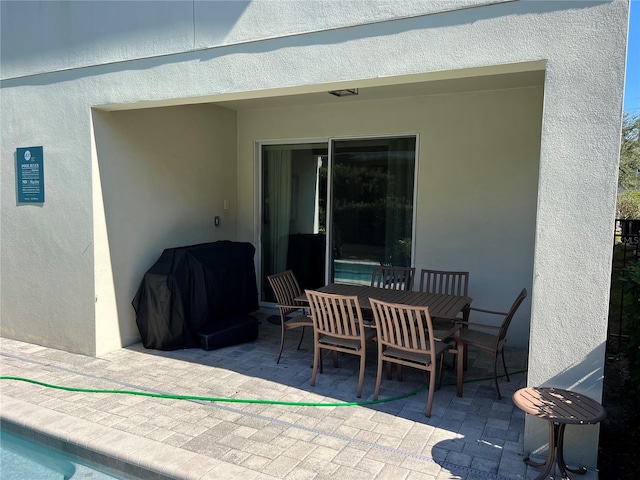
[353, 272]
[23, 459]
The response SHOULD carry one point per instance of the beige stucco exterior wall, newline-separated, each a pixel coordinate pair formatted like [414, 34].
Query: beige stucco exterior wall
[477, 179]
[84, 56]
[162, 176]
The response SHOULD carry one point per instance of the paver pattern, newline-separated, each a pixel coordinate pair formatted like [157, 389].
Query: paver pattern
[473, 437]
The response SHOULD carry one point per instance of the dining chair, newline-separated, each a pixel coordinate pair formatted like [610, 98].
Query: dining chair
[405, 337]
[286, 288]
[444, 281]
[473, 334]
[393, 278]
[338, 327]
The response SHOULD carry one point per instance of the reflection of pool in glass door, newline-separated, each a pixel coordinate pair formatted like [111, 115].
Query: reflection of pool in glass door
[371, 205]
[370, 218]
[356, 272]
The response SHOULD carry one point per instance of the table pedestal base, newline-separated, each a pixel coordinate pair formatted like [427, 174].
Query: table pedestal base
[556, 451]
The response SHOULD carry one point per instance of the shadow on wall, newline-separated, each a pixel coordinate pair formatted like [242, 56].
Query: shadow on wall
[335, 35]
[584, 377]
[132, 29]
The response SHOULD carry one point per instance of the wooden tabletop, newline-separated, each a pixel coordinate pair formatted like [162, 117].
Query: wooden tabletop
[559, 406]
[441, 306]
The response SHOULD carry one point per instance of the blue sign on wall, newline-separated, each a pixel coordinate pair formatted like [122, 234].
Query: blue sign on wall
[30, 175]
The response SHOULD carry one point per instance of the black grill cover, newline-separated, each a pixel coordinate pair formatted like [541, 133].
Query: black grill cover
[190, 289]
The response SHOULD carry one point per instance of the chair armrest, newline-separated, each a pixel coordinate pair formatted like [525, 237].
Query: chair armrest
[474, 324]
[448, 334]
[294, 307]
[487, 311]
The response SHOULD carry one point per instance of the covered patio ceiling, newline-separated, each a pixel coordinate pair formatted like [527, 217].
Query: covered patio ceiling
[495, 77]
[397, 90]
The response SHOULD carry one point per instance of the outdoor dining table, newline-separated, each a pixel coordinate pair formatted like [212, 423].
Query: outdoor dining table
[440, 306]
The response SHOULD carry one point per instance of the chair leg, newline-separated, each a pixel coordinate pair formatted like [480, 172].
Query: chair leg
[301, 337]
[465, 361]
[504, 364]
[378, 379]
[432, 385]
[440, 371]
[316, 360]
[281, 340]
[361, 376]
[495, 374]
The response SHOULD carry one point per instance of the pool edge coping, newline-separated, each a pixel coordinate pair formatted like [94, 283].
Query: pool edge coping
[111, 448]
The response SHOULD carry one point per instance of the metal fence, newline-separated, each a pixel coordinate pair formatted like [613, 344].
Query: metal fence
[626, 249]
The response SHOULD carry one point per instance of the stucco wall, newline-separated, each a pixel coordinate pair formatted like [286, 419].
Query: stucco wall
[47, 249]
[164, 175]
[477, 178]
[60, 35]
[47, 256]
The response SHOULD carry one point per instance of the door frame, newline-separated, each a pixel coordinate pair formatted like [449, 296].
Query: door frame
[257, 183]
[329, 228]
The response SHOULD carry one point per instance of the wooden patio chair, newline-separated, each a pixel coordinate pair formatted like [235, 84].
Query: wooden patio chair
[286, 288]
[474, 334]
[446, 282]
[405, 337]
[338, 326]
[443, 281]
[393, 278]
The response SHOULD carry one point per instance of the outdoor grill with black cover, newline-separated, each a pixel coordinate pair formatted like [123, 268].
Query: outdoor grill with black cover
[199, 296]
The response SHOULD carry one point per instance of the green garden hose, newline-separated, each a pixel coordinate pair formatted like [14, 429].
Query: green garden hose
[237, 400]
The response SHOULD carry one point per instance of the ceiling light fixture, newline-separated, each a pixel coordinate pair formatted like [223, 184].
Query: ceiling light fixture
[346, 92]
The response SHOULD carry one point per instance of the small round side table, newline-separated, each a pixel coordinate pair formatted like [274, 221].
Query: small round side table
[560, 408]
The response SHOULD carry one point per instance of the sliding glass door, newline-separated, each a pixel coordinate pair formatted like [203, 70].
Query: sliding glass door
[331, 211]
[293, 207]
[372, 206]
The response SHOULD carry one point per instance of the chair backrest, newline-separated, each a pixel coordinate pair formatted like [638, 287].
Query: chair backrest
[336, 315]
[512, 311]
[393, 278]
[442, 281]
[403, 327]
[286, 288]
